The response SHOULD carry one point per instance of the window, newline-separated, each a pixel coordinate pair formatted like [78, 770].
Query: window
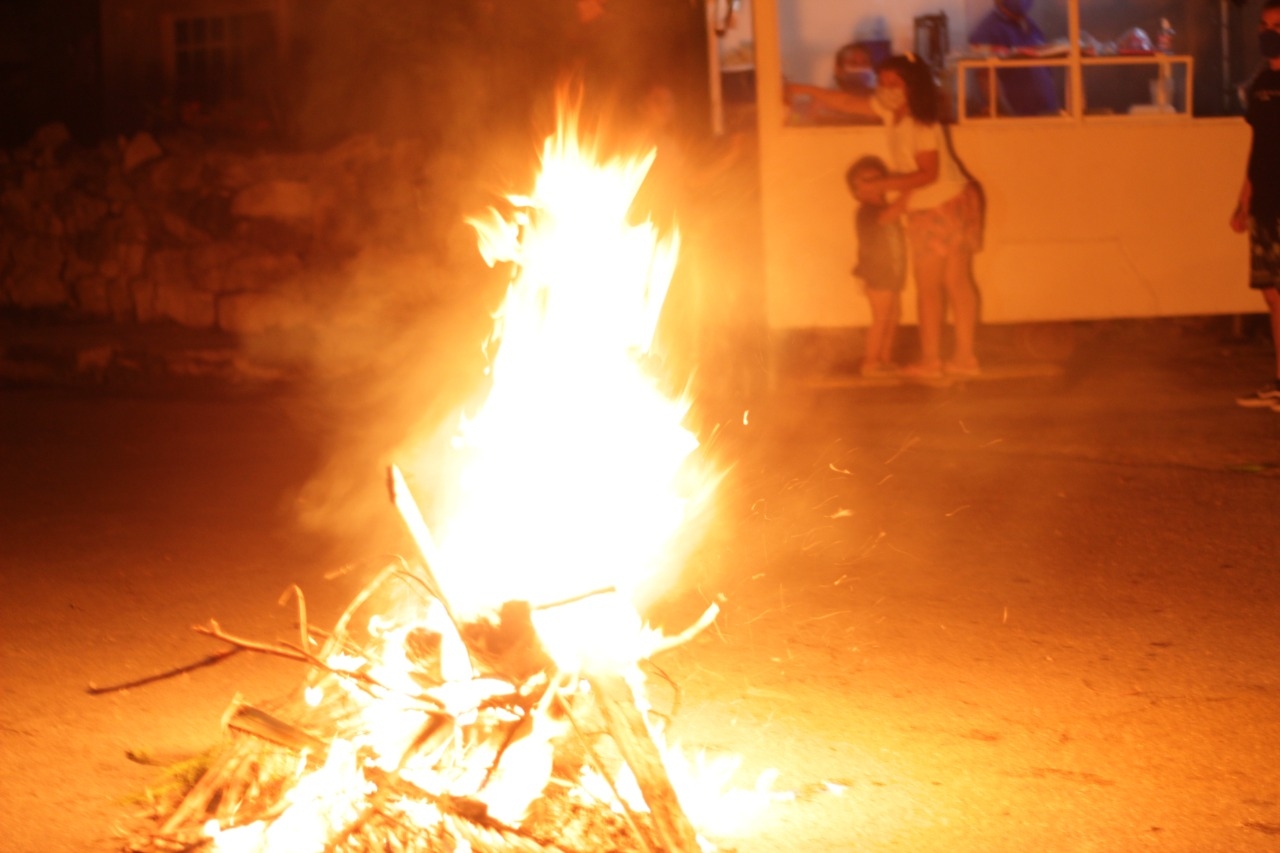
[215, 57]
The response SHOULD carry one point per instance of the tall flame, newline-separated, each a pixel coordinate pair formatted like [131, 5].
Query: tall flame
[568, 477]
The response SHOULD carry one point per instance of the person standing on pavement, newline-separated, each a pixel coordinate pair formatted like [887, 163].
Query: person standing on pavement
[1258, 208]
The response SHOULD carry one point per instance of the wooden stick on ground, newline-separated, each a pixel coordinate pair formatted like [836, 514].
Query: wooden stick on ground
[207, 660]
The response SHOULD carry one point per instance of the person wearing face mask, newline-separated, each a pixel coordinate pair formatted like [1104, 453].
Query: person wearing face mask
[1257, 209]
[1022, 91]
[944, 208]
[854, 71]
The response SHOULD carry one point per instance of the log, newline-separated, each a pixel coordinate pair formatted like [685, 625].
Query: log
[627, 728]
[256, 722]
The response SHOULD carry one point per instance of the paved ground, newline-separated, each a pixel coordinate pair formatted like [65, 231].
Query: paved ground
[1033, 612]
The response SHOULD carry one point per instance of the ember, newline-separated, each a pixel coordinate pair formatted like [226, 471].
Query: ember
[487, 695]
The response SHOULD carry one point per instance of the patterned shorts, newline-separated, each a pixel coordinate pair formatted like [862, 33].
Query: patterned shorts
[1264, 252]
[954, 224]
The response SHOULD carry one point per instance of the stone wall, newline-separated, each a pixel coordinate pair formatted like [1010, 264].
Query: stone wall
[175, 229]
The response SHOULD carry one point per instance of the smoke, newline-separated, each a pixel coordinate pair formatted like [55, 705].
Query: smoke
[454, 73]
[470, 83]
[398, 349]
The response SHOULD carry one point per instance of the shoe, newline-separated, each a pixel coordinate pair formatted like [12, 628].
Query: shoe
[921, 371]
[962, 371]
[1266, 396]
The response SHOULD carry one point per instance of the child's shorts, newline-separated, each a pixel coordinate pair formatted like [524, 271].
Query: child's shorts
[1264, 252]
[881, 283]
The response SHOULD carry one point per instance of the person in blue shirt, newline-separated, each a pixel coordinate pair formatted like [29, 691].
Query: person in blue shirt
[1026, 91]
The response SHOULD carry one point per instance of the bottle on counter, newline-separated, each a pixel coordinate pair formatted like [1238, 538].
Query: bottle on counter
[1164, 37]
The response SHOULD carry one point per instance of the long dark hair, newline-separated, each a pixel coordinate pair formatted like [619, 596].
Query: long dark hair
[924, 101]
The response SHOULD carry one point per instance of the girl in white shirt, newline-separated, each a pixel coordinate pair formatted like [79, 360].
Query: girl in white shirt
[944, 211]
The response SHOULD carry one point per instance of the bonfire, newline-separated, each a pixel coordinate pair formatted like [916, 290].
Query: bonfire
[485, 693]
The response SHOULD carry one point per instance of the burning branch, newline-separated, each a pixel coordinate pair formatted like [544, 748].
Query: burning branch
[284, 650]
[404, 503]
[705, 621]
[290, 652]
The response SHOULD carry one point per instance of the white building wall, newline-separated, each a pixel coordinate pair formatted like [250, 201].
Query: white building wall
[1102, 217]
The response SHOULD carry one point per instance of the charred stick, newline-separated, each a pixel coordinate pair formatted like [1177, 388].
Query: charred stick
[207, 660]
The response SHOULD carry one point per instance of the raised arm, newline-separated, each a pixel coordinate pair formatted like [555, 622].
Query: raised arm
[832, 99]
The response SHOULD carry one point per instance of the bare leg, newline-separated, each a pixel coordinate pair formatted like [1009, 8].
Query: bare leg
[892, 317]
[1272, 297]
[963, 297]
[879, 328]
[930, 272]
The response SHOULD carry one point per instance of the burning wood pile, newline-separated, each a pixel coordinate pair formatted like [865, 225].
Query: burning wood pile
[487, 694]
[409, 734]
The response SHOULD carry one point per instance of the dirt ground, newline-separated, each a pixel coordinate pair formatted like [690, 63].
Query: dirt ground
[1039, 612]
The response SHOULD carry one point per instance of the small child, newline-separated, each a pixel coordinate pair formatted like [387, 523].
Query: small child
[882, 261]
